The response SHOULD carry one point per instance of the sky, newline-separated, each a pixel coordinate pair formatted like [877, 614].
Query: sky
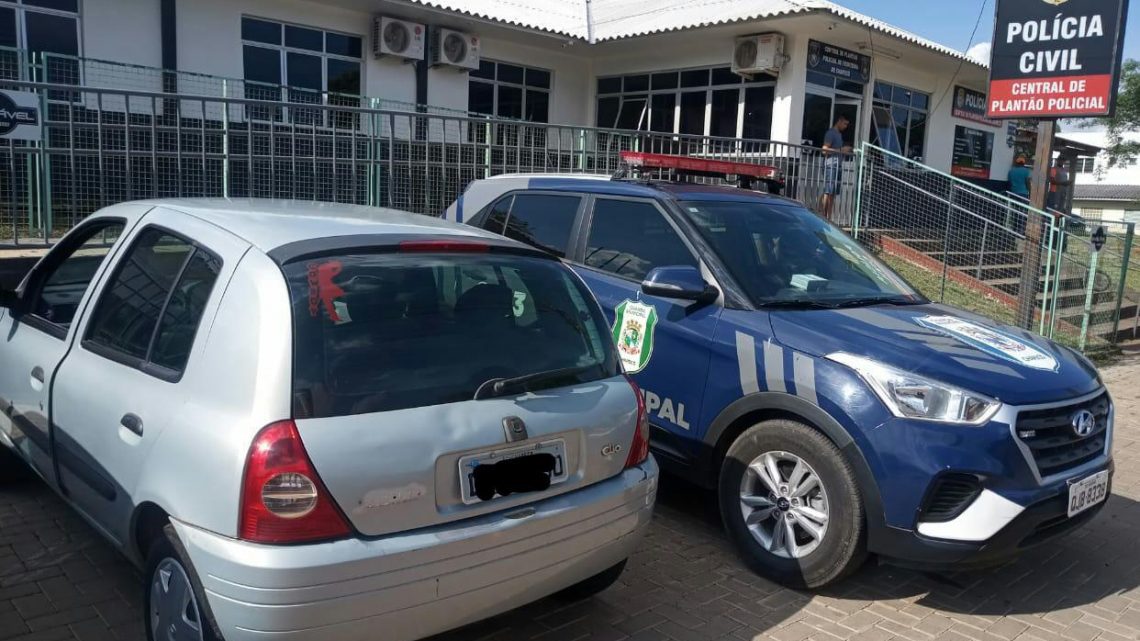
[949, 22]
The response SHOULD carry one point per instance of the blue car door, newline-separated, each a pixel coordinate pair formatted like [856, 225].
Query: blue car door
[664, 343]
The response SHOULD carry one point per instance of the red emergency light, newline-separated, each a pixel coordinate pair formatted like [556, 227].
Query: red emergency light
[702, 166]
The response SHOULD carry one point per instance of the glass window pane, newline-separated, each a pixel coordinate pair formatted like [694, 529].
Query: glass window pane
[543, 221]
[636, 83]
[7, 27]
[61, 5]
[665, 80]
[692, 113]
[510, 73]
[817, 118]
[486, 70]
[629, 238]
[609, 85]
[497, 217]
[344, 77]
[661, 113]
[900, 116]
[510, 102]
[537, 106]
[304, 70]
[261, 65]
[538, 78]
[632, 114]
[920, 101]
[342, 45]
[821, 79]
[481, 98]
[55, 34]
[901, 96]
[882, 91]
[58, 298]
[302, 38]
[128, 309]
[725, 105]
[849, 87]
[183, 314]
[260, 31]
[724, 76]
[758, 112]
[916, 143]
[695, 78]
[607, 112]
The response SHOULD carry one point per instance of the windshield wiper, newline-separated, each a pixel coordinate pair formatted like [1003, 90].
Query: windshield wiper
[881, 300]
[496, 387]
[794, 304]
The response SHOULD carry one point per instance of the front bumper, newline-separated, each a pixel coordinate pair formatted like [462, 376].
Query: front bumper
[1040, 521]
[413, 585]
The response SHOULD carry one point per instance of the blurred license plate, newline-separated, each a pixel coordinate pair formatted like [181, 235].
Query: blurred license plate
[469, 463]
[1087, 492]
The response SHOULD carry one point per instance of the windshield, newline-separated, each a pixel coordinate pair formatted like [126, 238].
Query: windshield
[383, 332]
[784, 255]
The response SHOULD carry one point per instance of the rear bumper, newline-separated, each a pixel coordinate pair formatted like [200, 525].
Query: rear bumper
[424, 582]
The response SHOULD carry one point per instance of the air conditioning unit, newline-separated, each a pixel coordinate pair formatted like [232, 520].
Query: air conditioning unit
[395, 37]
[454, 49]
[762, 53]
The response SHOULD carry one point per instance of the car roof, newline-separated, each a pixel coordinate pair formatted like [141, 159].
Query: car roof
[596, 184]
[269, 224]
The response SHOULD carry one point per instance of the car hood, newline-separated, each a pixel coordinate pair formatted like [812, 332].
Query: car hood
[944, 344]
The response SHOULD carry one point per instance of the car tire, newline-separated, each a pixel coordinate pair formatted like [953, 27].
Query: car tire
[826, 521]
[168, 570]
[593, 585]
[12, 467]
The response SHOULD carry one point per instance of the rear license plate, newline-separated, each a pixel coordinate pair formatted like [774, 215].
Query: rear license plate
[546, 459]
[1087, 492]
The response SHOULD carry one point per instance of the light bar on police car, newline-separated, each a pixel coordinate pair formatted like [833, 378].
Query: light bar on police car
[700, 165]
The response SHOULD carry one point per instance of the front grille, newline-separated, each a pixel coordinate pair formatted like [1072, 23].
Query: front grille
[1054, 445]
[950, 496]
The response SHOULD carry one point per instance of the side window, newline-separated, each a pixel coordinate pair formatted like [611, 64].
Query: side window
[57, 292]
[496, 219]
[629, 238]
[544, 221]
[149, 311]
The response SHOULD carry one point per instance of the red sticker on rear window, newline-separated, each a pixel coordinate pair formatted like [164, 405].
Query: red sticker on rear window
[322, 289]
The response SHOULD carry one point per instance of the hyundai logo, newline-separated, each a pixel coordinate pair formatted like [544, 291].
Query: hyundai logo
[1084, 423]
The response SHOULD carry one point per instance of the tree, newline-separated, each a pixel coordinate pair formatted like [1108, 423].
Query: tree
[1127, 117]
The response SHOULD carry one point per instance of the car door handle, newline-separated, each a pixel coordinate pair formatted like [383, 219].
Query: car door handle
[132, 423]
[38, 373]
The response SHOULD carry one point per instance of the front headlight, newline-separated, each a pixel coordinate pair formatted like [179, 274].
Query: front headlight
[909, 395]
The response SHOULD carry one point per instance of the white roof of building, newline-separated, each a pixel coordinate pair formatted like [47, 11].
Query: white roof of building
[602, 20]
[269, 224]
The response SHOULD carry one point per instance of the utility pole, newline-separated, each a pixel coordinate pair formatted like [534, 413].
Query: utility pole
[1034, 225]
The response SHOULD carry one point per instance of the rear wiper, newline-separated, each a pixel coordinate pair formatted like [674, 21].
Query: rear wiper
[882, 300]
[496, 387]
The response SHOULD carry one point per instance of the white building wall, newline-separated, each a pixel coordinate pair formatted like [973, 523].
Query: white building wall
[122, 31]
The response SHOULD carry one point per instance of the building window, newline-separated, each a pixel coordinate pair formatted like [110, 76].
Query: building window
[701, 102]
[900, 117]
[48, 30]
[509, 91]
[1086, 164]
[302, 65]
[1092, 212]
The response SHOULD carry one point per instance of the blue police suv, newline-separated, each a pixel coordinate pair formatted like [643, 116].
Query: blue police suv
[835, 410]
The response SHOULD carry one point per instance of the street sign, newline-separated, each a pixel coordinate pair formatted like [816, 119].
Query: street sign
[1056, 58]
[1098, 238]
[19, 115]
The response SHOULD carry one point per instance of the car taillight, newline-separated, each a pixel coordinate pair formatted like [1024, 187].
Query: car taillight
[639, 450]
[283, 499]
[441, 246]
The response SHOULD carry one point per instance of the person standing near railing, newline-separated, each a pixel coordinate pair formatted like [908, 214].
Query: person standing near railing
[1059, 181]
[833, 152]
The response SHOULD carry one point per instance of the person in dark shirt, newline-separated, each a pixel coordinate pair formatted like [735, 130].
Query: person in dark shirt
[833, 151]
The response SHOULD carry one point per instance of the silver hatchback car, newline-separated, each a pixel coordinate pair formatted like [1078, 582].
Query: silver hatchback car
[325, 422]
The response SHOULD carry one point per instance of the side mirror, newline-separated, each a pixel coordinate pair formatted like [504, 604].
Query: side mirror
[9, 300]
[681, 281]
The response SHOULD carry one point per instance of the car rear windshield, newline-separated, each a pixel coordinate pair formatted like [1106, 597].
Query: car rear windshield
[380, 332]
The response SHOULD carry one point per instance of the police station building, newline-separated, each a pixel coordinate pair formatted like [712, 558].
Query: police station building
[760, 69]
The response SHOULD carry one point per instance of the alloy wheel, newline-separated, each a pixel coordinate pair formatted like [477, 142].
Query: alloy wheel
[784, 504]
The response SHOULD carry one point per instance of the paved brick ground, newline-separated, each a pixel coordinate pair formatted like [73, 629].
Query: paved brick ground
[59, 581]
